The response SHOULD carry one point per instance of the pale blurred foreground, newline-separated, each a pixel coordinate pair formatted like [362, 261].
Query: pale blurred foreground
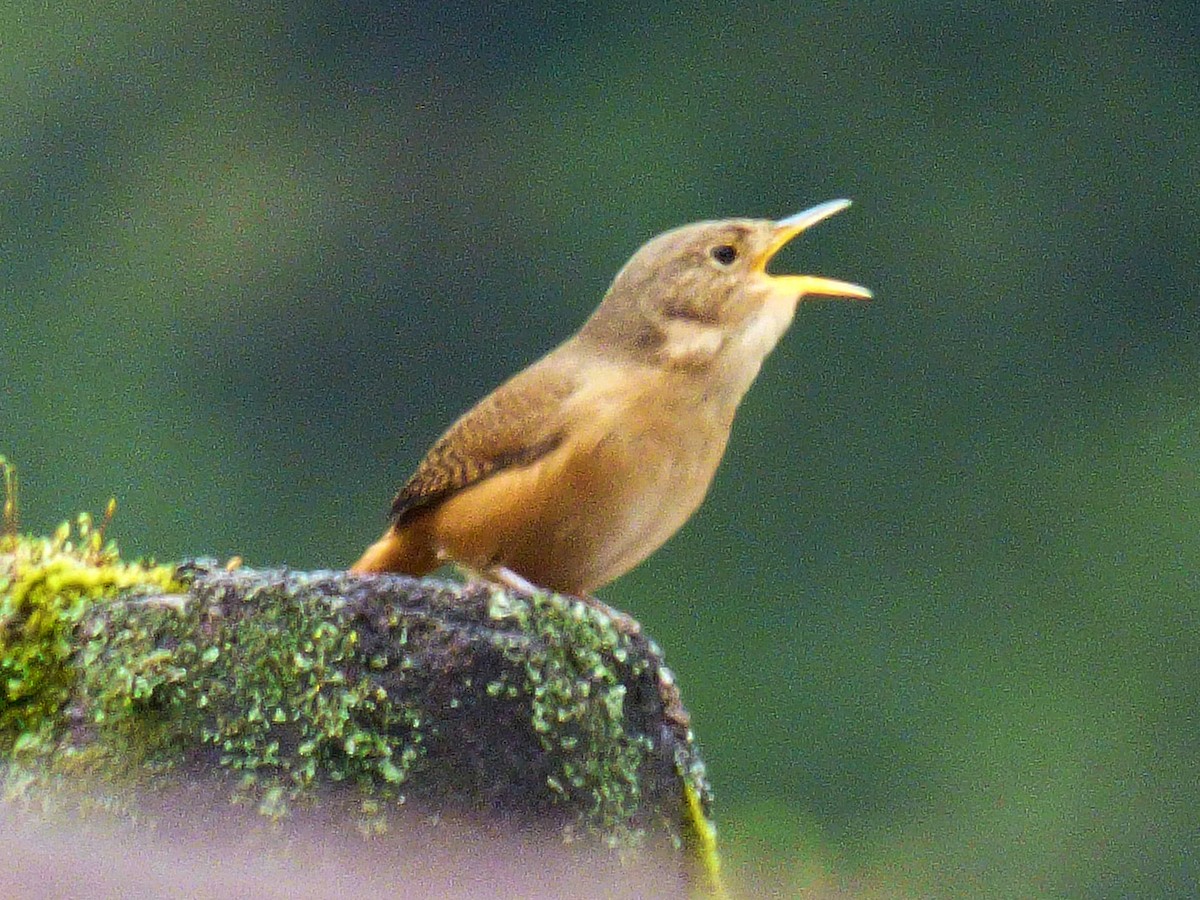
[212, 850]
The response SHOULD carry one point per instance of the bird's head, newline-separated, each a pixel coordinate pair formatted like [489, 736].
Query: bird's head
[701, 293]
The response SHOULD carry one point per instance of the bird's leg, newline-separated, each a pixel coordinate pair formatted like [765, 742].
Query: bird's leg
[511, 579]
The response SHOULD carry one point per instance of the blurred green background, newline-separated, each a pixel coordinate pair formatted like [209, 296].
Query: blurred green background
[938, 622]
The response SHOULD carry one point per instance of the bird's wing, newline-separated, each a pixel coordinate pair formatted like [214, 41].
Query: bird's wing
[513, 426]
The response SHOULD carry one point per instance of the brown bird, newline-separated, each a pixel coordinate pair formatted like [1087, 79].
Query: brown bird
[575, 470]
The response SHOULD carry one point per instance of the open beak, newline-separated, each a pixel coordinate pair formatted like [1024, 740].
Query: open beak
[799, 285]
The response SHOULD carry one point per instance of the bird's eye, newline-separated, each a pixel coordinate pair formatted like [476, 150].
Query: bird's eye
[725, 254]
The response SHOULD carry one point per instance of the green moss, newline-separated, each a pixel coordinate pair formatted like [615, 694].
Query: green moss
[280, 697]
[576, 690]
[284, 698]
[700, 837]
[46, 586]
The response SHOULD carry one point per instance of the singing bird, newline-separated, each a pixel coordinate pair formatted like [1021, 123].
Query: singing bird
[579, 467]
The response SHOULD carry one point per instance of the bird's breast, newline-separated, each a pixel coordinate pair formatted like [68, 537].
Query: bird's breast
[640, 465]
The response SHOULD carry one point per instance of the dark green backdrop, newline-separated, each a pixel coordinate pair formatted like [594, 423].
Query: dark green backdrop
[938, 621]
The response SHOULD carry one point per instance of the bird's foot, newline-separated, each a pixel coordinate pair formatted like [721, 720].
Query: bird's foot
[624, 623]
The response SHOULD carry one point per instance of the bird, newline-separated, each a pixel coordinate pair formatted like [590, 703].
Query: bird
[580, 466]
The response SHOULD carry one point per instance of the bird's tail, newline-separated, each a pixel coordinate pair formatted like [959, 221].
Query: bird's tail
[406, 550]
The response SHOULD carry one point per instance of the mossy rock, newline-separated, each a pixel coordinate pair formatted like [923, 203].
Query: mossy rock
[294, 689]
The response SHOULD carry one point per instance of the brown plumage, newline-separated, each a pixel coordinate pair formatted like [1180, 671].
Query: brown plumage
[578, 468]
